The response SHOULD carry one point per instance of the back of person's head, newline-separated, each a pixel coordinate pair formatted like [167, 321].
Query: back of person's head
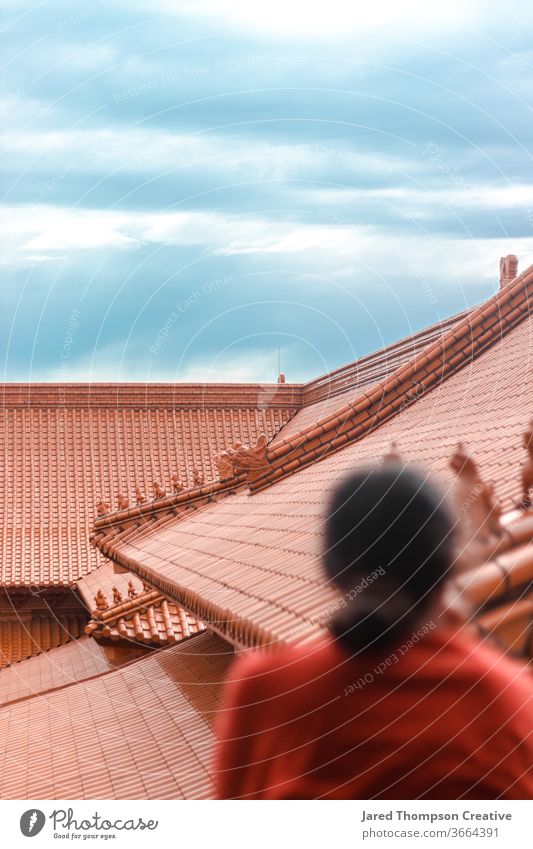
[388, 549]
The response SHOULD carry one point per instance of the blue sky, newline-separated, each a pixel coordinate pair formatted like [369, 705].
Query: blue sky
[189, 187]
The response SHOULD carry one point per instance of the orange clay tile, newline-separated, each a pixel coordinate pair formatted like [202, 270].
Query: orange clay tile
[75, 661]
[69, 446]
[327, 393]
[249, 566]
[466, 339]
[144, 619]
[143, 731]
[22, 636]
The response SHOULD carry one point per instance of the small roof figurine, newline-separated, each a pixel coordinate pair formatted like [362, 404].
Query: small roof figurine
[159, 492]
[139, 496]
[101, 602]
[117, 595]
[102, 507]
[197, 477]
[177, 485]
[122, 502]
[132, 592]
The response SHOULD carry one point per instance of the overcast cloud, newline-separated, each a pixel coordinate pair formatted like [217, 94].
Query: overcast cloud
[200, 184]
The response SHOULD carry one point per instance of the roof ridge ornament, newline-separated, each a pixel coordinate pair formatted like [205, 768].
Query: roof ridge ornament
[102, 507]
[100, 599]
[197, 477]
[159, 492]
[139, 496]
[508, 269]
[243, 459]
[177, 485]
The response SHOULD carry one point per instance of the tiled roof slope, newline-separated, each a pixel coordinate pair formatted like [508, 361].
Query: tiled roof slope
[459, 345]
[328, 392]
[22, 637]
[250, 566]
[66, 445]
[142, 617]
[140, 732]
[105, 578]
[75, 661]
[147, 619]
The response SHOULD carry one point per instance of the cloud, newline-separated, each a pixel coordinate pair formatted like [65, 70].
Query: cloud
[306, 19]
[370, 162]
[45, 228]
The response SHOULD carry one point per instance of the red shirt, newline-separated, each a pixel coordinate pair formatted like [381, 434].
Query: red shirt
[448, 718]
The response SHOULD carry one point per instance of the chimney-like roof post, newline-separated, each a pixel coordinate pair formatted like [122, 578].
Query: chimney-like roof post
[508, 269]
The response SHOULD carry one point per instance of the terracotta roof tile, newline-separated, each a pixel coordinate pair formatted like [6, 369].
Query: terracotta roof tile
[104, 578]
[255, 558]
[67, 445]
[24, 635]
[466, 338]
[66, 664]
[142, 731]
[144, 619]
[329, 392]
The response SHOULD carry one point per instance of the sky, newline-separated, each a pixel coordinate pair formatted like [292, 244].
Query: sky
[192, 190]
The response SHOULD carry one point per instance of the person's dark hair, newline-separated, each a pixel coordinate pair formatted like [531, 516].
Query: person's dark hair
[388, 549]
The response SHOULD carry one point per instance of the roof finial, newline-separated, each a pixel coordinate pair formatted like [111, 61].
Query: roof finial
[243, 459]
[508, 269]
[224, 465]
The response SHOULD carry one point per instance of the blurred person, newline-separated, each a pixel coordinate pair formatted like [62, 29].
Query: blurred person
[394, 702]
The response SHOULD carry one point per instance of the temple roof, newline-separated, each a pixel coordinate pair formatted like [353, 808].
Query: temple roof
[231, 536]
[249, 565]
[143, 731]
[69, 446]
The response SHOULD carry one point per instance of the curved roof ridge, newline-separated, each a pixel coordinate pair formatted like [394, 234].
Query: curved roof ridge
[460, 344]
[169, 504]
[378, 355]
